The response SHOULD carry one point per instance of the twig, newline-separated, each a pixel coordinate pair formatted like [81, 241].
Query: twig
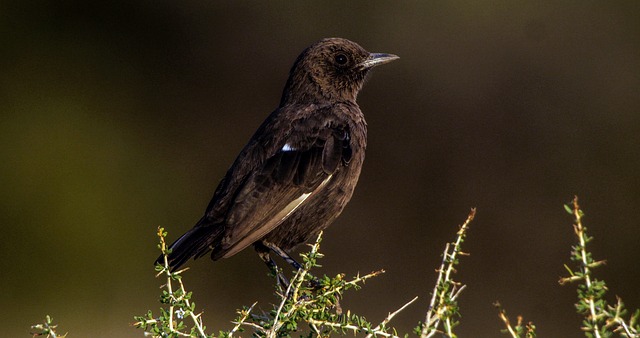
[503, 315]
[243, 316]
[391, 315]
[351, 327]
[446, 291]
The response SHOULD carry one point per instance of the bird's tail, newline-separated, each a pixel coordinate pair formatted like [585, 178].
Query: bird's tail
[195, 243]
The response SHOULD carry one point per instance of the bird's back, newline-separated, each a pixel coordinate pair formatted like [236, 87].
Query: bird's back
[323, 207]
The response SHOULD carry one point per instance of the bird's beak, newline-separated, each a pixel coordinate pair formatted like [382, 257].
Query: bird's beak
[376, 59]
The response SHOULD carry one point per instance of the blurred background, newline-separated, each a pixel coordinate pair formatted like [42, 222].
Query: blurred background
[119, 117]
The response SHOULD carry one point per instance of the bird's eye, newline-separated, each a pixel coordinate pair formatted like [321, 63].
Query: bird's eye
[341, 59]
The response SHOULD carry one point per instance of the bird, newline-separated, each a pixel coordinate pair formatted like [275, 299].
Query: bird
[299, 169]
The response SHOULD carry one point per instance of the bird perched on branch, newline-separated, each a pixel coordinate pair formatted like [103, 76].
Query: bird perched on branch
[299, 170]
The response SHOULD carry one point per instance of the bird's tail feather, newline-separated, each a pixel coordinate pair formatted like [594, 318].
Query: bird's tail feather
[195, 243]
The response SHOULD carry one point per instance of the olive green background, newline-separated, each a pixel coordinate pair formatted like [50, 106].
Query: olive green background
[119, 116]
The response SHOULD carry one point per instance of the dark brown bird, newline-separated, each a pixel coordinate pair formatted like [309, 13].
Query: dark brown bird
[299, 169]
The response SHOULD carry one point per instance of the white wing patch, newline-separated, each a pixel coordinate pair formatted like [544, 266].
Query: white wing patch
[291, 207]
[288, 147]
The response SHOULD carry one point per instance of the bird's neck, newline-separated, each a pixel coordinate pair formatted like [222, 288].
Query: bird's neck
[310, 92]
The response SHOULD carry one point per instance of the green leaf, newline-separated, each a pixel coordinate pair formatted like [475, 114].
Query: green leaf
[568, 208]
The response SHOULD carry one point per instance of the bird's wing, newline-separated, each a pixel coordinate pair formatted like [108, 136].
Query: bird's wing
[288, 160]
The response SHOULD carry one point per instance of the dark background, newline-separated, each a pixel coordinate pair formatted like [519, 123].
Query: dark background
[119, 117]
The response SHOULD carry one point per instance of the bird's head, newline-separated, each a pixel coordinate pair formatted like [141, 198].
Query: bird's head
[332, 69]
